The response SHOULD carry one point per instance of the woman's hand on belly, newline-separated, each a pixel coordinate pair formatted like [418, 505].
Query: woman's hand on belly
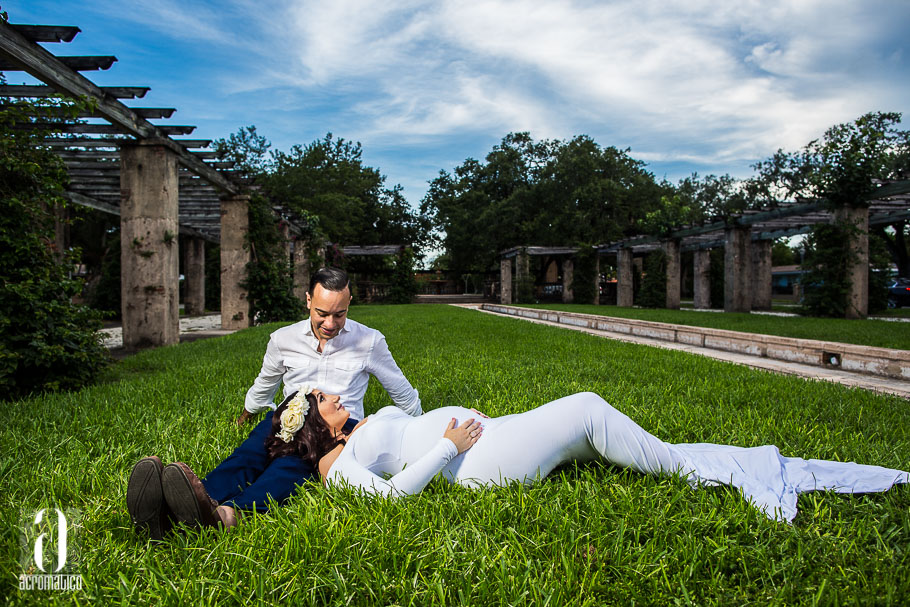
[465, 435]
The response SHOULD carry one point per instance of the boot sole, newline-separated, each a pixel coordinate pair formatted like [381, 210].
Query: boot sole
[144, 496]
[181, 497]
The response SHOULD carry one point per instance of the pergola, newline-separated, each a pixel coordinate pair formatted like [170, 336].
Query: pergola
[120, 163]
[746, 239]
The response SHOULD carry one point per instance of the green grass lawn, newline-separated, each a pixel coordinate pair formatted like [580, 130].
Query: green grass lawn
[869, 332]
[589, 534]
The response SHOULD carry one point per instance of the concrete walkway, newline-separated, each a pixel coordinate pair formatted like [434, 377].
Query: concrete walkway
[857, 380]
[191, 328]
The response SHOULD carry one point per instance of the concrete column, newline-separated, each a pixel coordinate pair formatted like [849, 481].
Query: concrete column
[149, 271]
[523, 276]
[301, 270]
[702, 279]
[235, 308]
[194, 269]
[568, 273]
[522, 266]
[596, 278]
[671, 250]
[505, 281]
[625, 288]
[761, 274]
[737, 270]
[858, 296]
[285, 230]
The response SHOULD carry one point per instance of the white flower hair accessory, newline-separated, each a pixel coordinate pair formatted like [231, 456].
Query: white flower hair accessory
[293, 417]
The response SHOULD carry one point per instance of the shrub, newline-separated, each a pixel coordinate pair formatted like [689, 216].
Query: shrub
[825, 282]
[269, 277]
[653, 292]
[404, 285]
[583, 274]
[46, 341]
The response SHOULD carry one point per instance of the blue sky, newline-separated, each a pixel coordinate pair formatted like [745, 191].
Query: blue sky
[710, 86]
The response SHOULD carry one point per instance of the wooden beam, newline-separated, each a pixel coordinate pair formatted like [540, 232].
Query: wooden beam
[93, 203]
[145, 112]
[42, 90]
[102, 129]
[193, 229]
[85, 155]
[373, 250]
[47, 33]
[46, 67]
[884, 219]
[789, 210]
[891, 189]
[196, 232]
[84, 142]
[193, 143]
[88, 63]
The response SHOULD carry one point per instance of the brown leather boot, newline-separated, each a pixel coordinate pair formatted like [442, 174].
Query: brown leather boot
[145, 499]
[187, 498]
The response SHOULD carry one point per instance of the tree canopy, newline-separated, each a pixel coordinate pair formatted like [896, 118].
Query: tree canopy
[541, 192]
[574, 192]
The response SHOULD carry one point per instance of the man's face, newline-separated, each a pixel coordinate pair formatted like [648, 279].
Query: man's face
[328, 311]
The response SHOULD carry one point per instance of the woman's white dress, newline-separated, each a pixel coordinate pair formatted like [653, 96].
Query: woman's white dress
[528, 446]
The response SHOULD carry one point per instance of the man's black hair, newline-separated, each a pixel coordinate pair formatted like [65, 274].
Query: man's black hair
[331, 279]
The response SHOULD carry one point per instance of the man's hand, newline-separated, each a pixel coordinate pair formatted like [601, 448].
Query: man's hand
[244, 417]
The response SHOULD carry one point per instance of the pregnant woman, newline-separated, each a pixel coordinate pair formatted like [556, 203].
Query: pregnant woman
[528, 446]
[391, 453]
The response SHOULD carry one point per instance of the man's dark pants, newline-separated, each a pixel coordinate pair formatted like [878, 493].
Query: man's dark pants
[248, 478]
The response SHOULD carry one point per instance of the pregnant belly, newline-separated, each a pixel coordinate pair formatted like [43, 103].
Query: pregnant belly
[425, 431]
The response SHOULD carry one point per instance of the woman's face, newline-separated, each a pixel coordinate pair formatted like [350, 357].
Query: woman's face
[330, 409]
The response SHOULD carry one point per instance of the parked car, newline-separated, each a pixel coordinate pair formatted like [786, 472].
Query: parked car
[899, 293]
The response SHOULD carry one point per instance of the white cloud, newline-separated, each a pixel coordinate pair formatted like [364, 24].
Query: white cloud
[720, 80]
[708, 82]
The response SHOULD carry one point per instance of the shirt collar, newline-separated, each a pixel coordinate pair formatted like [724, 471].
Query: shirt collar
[309, 328]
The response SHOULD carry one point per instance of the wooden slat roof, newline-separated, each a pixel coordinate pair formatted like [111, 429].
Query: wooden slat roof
[93, 162]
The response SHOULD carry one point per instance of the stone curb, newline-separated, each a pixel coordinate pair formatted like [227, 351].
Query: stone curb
[881, 362]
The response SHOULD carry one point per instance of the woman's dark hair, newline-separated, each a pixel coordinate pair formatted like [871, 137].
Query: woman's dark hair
[311, 442]
[331, 279]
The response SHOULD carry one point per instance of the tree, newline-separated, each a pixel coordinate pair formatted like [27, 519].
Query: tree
[844, 168]
[527, 192]
[248, 149]
[782, 254]
[328, 179]
[46, 341]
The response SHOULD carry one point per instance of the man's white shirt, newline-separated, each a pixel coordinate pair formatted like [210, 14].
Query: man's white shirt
[343, 367]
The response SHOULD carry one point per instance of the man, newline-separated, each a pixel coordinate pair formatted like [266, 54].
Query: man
[329, 351]
[326, 350]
